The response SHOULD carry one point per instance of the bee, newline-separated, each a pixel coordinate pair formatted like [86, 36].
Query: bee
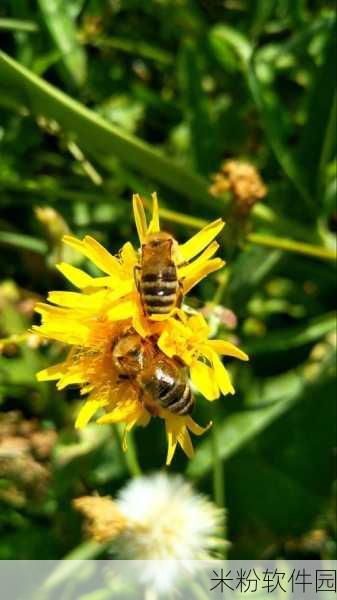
[157, 276]
[162, 381]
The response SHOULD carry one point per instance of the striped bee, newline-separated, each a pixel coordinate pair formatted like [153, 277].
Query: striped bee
[162, 381]
[157, 277]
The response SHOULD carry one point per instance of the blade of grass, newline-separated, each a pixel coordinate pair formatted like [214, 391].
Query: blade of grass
[196, 108]
[23, 242]
[328, 145]
[319, 131]
[18, 25]
[137, 47]
[63, 33]
[94, 133]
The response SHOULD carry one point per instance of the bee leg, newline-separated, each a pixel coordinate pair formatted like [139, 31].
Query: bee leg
[183, 263]
[180, 295]
[149, 404]
[136, 276]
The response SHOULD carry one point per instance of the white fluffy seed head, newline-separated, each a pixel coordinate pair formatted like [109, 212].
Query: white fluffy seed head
[167, 520]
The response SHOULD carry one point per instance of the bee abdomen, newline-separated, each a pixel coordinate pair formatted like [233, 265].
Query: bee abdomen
[178, 399]
[159, 291]
[183, 405]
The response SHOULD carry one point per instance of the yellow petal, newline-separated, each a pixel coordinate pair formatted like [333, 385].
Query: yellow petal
[67, 331]
[86, 412]
[61, 324]
[227, 348]
[195, 428]
[173, 338]
[177, 433]
[171, 446]
[82, 280]
[51, 311]
[89, 302]
[139, 321]
[165, 345]
[222, 376]
[93, 250]
[200, 240]
[188, 269]
[52, 373]
[129, 426]
[161, 318]
[140, 218]
[185, 442]
[76, 276]
[212, 265]
[129, 256]
[198, 325]
[128, 412]
[123, 310]
[154, 225]
[202, 376]
[71, 378]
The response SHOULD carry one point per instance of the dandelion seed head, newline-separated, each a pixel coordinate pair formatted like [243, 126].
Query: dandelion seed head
[167, 520]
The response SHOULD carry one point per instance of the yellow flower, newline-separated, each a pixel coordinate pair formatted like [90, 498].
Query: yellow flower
[188, 339]
[107, 306]
[200, 245]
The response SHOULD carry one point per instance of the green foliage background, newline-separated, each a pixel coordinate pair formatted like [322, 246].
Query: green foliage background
[102, 99]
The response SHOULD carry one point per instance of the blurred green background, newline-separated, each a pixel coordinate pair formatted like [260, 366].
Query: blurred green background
[102, 99]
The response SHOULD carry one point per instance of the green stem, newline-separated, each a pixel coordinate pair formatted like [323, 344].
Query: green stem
[328, 143]
[292, 246]
[219, 294]
[172, 216]
[134, 47]
[261, 239]
[17, 25]
[23, 242]
[218, 471]
[182, 219]
[218, 480]
[131, 453]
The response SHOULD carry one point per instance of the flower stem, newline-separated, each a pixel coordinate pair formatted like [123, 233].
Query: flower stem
[272, 241]
[218, 479]
[131, 458]
[260, 239]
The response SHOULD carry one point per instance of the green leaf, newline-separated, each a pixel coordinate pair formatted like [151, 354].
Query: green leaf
[319, 133]
[95, 134]
[137, 47]
[278, 395]
[294, 337]
[63, 33]
[286, 475]
[196, 108]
